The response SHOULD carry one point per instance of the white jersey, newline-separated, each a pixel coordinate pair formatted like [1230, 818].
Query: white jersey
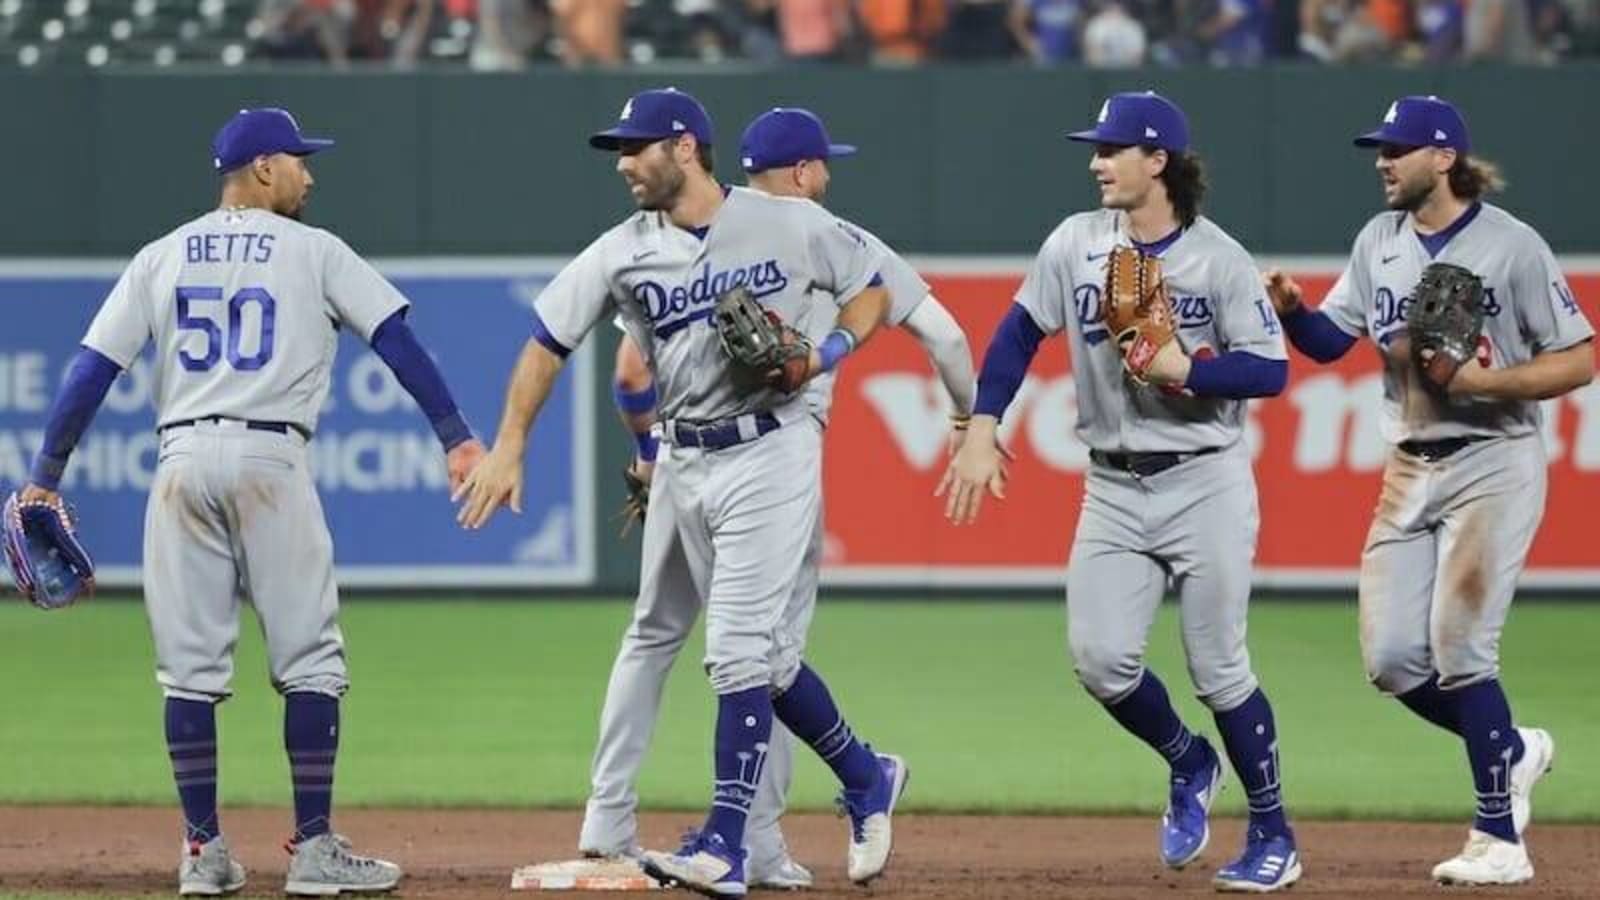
[906, 289]
[663, 282]
[243, 306]
[1217, 301]
[1528, 308]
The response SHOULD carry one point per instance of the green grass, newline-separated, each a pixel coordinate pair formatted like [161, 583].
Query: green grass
[461, 703]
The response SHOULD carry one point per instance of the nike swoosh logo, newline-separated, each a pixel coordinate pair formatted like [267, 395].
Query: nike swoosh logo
[1389, 259]
[1095, 256]
[642, 254]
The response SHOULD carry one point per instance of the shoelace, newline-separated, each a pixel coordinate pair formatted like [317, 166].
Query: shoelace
[858, 819]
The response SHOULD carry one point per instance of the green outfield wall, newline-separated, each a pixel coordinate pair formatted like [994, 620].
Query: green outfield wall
[955, 160]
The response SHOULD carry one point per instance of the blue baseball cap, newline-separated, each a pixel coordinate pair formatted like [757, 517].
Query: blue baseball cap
[1419, 122]
[653, 115]
[260, 132]
[1142, 118]
[783, 136]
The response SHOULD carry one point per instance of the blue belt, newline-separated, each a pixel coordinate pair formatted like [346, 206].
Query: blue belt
[719, 434]
[252, 424]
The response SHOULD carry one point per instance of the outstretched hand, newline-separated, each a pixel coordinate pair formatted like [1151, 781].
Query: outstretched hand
[979, 465]
[495, 482]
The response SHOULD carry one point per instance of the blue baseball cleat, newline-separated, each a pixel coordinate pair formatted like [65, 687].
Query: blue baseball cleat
[704, 864]
[1269, 863]
[1186, 825]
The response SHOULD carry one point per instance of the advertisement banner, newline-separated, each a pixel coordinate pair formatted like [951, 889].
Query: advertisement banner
[1318, 459]
[378, 466]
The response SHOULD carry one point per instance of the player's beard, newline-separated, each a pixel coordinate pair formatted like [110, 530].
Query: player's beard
[661, 187]
[1411, 195]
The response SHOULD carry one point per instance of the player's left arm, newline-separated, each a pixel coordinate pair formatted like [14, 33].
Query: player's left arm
[847, 265]
[1252, 361]
[633, 390]
[1549, 315]
[397, 345]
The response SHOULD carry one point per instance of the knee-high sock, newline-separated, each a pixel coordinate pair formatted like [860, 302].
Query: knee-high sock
[311, 736]
[1251, 736]
[1493, 747]
[744, 728]
[1148, 714]
[1440, 707]
[191, 727]
[809, 711]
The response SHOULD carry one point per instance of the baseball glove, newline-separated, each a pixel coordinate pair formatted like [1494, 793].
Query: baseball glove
[48, 562]
[638, 502]
[1135, 308]
[1446, 318]
[760, 343]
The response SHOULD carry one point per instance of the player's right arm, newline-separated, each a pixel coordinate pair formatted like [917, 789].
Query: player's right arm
[115, 339]
[1327, 333]
[1040, 309]
[564, 312]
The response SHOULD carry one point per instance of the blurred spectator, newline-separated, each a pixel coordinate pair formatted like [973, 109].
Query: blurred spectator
[1392, 18]
[902, 31]
[1500, 31]
[403, 27]
[1439, 29]
[712, 30]
[1341, 31]
[305, 29]
[1048, 30]
[1221, 32]
[1112, 39]
[814, 30]
[508, 34]
[758, 33]
[590, 30]
[977, 30]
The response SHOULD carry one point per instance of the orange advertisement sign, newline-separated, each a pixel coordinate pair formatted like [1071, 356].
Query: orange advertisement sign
[1318, 459]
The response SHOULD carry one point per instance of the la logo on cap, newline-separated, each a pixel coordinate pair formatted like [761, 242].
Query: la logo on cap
[627, 109]
[1105, 110]
[1392, 114]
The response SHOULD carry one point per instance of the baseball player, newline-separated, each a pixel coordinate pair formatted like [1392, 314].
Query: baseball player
[785, 152]
[1464, 484]
[237, 304]
[736, 488]
[1170, 498]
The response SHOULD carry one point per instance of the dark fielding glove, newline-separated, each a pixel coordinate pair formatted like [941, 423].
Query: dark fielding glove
[48, 563]
[760, 344]
[638, 502]
[1445, 318]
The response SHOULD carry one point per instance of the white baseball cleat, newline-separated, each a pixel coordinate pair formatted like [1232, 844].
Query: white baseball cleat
[1538, 755]
[870, 813]
[1486, 859]
[783, 874]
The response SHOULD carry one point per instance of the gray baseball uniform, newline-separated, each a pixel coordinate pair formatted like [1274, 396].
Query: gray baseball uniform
[1194, 522]
[1464, 486]
[727, 526]
[239, 305]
